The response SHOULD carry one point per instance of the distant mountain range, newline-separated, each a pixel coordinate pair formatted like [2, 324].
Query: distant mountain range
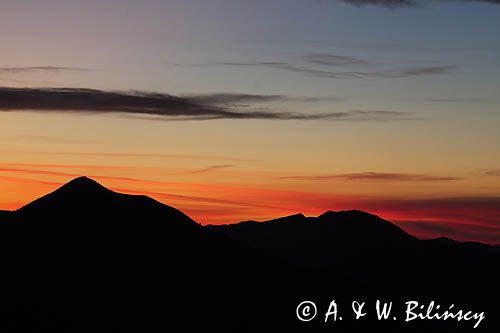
[84, 258]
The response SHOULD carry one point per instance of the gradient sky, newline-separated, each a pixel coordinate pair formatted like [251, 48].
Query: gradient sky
[319, 105]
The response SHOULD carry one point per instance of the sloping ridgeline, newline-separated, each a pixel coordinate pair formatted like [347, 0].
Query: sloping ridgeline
[84, 258]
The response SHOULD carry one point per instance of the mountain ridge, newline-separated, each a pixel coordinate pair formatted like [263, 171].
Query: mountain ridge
[79, 189]
[84, 256]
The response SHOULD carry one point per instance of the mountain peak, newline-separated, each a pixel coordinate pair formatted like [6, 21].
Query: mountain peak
[291, 218]
[84, 202]
[348, 214]
[83, 182]
[78, 191]
[82, 179]
[81, 187]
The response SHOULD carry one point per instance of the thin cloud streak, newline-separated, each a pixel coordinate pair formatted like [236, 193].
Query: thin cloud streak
[64, 166]
[231, 99]
[377, 176]
[410, 3]
[136, 155]
[210, 169]
[450, 229]
[43, 69]
[52, 139]
[333, 60]
[455, 100]
[156, 106]
[124, 181]
[494, 173]
[222, 99]
[321, 73]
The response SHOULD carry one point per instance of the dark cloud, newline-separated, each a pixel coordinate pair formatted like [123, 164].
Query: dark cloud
[408, 3]
[387, 74]
[378, 176]
[161, 106]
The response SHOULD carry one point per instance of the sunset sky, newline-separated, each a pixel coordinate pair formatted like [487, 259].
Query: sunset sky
[235, 110]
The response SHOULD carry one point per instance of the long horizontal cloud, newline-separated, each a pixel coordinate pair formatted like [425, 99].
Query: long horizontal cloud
[17, 70]
[229, 99]
[51, 139]
[455, 100]
[163, 106]
[47, 171]
[381, 74]
[408, 3]
[129, 155]
[378, 176]
[224, 99]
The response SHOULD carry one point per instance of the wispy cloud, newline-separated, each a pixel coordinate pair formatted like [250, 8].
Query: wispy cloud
[225, 99]
[450, 229]
[385, 3]
[495, 173]
[377, 176]
[134, 155]
[455, 100]
[209, 169]
[37, 166]
[43, 69]
[53, 139]
[322, 73]
[239, 99]
[162, 106]
[430, 70]
[36, 172]
[410, 3]
[333, 59]
[127, 185]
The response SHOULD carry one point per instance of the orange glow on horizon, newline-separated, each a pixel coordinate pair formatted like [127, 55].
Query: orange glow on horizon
[212, 203]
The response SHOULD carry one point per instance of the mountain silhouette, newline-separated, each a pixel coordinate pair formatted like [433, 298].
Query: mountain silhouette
[351, 231]
[360, 244]
[85, 258]
[83, 203]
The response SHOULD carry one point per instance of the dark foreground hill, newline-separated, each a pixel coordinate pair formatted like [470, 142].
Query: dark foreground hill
[84, 258]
